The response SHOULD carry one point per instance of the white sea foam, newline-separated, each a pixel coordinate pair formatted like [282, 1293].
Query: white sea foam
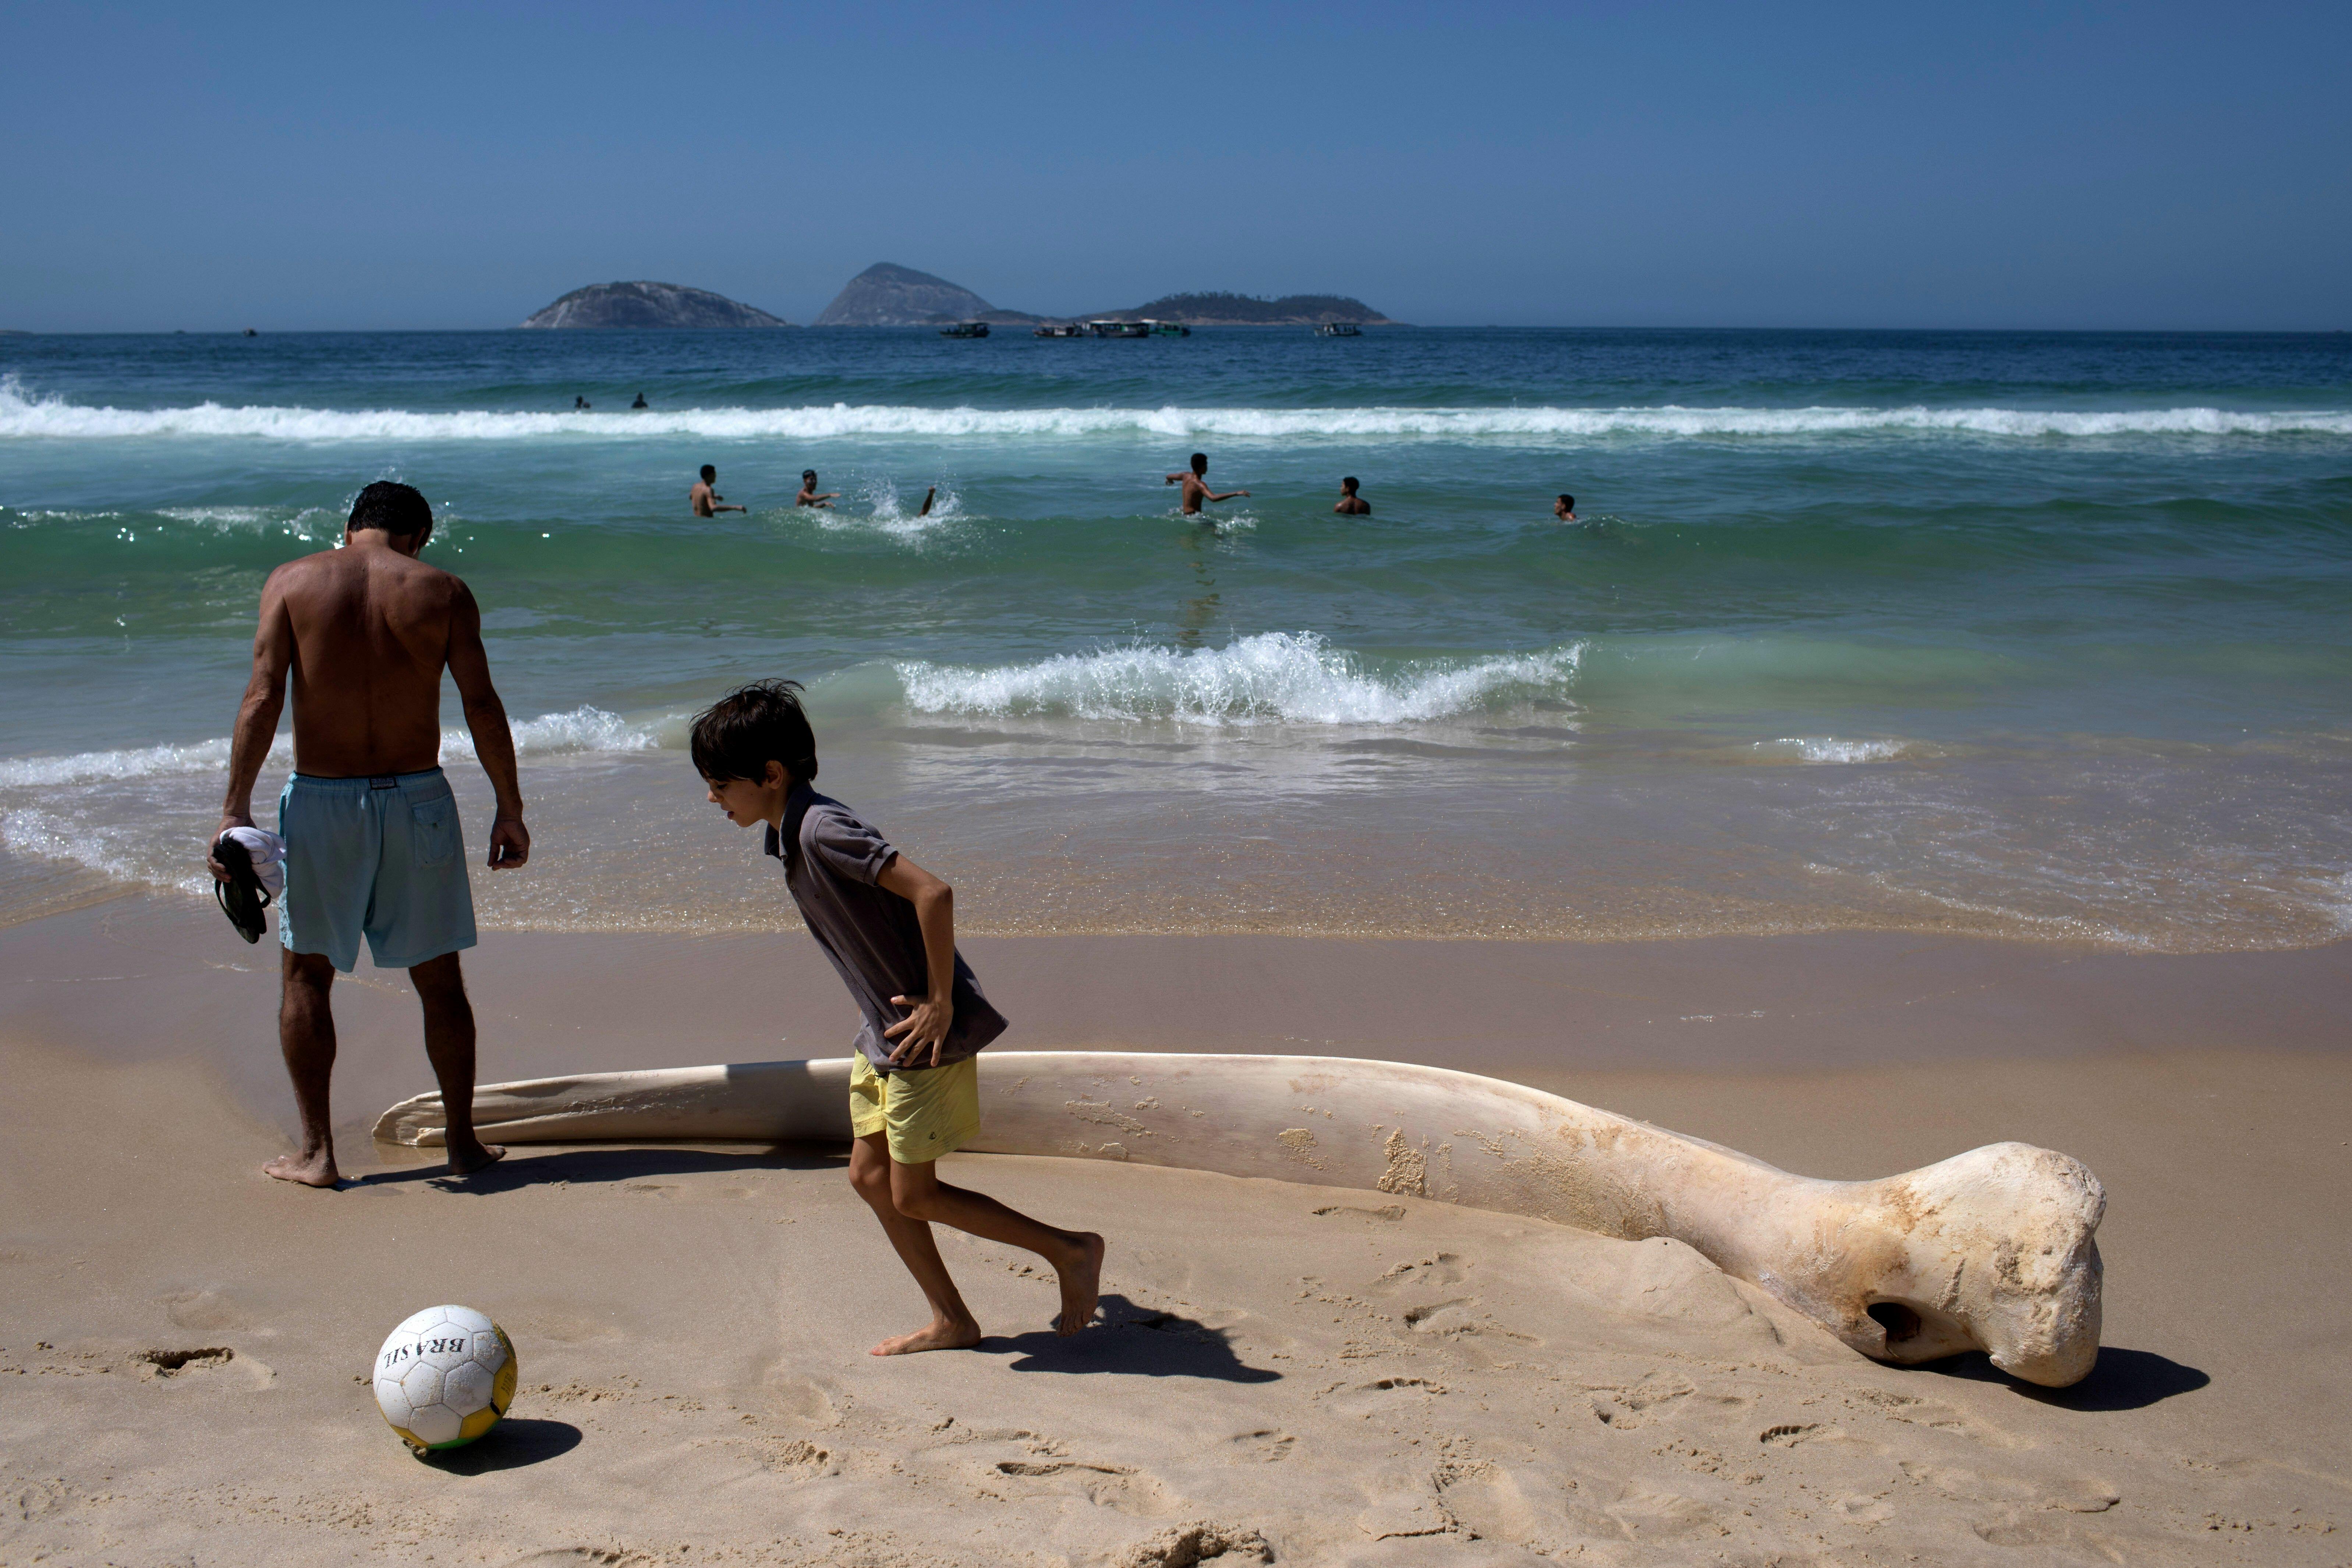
[585, 728]
[1273, 676]
[121, 851]
[215, 515]
[887, 512]
[140, 762]
[1829, 749]
[23, 416]
[581, 729]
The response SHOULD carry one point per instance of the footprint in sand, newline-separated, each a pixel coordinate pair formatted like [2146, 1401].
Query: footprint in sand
[210, 1365]
[1122, 1489]
[801, 1400]
[798, 1458]
[1645, 1515]
[1264, 1447]
[1627, 1409]
[1442, 1269]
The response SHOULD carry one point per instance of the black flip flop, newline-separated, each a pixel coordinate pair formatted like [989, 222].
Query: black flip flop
[242, 898]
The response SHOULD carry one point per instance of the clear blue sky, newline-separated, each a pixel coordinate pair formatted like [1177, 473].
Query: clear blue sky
[392, 165]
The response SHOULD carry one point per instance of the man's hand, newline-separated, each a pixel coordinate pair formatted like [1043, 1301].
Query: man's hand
[509, 843]
[924, 1026]
[228, 819]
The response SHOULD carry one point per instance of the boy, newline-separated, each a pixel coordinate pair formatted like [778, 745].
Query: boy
[888, 926]
[1564, 508]
[808, 495]
[1350, 504]
[1196, 486]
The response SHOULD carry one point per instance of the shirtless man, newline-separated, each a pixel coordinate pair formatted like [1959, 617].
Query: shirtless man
[705, 500]
[1196, 486]
[808, 495]
[373, 843]
[1350, 504]
[1564, 508]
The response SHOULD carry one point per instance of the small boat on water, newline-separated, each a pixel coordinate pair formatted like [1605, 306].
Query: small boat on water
[1119, 329]
[1060, 329]
[1167, 329]
[965, 329]
[1339, 330]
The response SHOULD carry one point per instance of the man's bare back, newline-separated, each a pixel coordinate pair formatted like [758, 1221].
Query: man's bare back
[1196, 486]
[370, 630]
[365, 632]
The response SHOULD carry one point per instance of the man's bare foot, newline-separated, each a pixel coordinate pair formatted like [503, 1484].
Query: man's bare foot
[465, 1162]
[305, 1170]
[939, 1333]
[1081, 1285]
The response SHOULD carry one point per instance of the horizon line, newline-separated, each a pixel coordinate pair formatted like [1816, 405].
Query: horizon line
[6, 332]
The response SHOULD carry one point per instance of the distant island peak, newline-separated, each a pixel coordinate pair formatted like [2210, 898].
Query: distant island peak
[661, 306]
[889, 295]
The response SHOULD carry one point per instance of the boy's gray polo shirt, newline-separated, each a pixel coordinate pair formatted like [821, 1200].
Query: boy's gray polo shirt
[870, 933]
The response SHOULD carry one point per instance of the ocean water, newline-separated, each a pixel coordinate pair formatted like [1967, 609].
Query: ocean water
[2039, 635]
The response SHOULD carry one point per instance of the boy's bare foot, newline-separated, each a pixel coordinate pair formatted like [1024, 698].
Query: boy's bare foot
[465, 1162]
[305, 1170]
[1081, 1285]
[939, 1333]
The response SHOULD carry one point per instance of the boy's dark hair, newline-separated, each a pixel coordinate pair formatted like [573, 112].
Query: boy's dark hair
[1349, 483]
[708, 472]
[1569, 501]
[395, 508]
[1199, 460]
[738, 736]
[808, 473]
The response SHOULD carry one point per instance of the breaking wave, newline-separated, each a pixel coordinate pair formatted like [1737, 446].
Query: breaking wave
[581, 729]
[1273, 676]
[27, 417]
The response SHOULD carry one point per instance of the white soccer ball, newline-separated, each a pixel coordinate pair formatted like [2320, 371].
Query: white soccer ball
[445, 1377]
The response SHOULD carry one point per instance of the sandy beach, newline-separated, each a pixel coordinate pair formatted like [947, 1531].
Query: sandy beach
[1283, 1371]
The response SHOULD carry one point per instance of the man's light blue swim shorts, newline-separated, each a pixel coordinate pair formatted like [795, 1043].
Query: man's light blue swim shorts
[382, 856]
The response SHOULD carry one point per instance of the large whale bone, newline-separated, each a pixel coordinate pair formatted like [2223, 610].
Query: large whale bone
[1993, 1249]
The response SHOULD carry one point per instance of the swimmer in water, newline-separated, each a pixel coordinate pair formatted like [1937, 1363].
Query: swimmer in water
[808, 495]
[1564, 508]
[1196, 486]
[1350, 504]
[705, 500]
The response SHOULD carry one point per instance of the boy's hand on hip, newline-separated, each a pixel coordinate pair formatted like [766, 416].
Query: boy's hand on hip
[924, 1029]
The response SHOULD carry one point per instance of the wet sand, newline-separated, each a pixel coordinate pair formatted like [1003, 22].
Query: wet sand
[1353, 1377]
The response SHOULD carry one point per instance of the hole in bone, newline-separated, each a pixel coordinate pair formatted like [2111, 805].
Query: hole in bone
[1899, 1320]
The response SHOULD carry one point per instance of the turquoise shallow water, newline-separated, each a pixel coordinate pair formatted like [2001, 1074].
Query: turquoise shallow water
[2041, 635]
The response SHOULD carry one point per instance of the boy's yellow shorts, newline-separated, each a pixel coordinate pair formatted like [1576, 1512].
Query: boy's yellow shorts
[927, 1111]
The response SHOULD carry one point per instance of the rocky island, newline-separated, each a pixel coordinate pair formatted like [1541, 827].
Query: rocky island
[651, 304]
[887, 294]
[1221, 309]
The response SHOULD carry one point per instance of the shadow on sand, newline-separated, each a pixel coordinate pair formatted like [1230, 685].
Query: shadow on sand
[636, 1162]
[2123, 1380]
[1135, 1341]
[510, 1445]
